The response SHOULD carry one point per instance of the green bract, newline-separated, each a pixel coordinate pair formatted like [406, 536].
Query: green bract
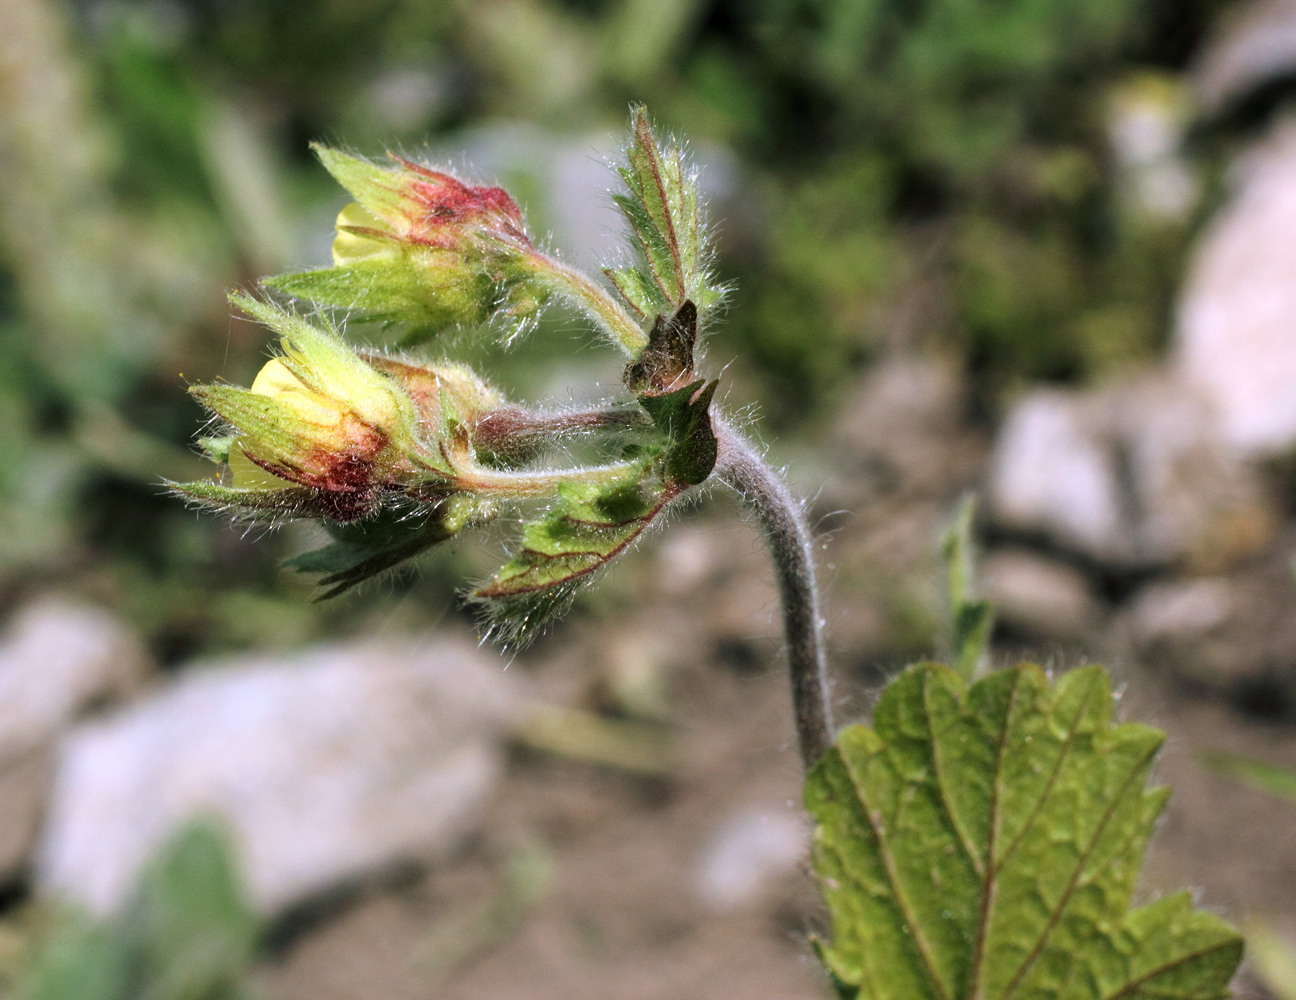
[985, 843]
[668, 237]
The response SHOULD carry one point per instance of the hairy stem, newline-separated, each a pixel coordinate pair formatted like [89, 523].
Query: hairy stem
[516, 433]
[783, 523]
[594, 300]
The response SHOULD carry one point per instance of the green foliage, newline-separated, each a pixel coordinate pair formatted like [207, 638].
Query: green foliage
[360, 552]
[955, 154]
[188, 935]
[985, 842]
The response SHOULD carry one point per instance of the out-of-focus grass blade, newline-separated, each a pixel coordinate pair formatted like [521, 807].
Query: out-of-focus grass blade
[1269, 778]
[1273, 959]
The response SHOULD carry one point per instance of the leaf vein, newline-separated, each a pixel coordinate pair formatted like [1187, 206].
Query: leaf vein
[902, 903]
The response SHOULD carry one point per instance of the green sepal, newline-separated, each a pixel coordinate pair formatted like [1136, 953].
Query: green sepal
[684, 417]
[427, 291]
[271, 506]
[277, 430]
[986, 841]
[366, 549]
[377, 188]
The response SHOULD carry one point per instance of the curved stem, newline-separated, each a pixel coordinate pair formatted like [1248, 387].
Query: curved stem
[591, 298]
[787, 535]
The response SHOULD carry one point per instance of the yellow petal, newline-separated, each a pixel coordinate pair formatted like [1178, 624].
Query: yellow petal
[351, 247]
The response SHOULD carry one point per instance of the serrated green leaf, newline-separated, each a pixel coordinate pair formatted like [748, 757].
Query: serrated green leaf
[985, 843]
[662, 209]
[640, 293]
[590, 526]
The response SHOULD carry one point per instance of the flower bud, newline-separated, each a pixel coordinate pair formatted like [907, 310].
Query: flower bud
[423, 248]
[318, 416]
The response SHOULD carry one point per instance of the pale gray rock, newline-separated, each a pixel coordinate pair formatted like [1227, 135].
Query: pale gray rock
[1053, 474]
[56, 658]
[750, 851]
[1135, 474]
[326, 767]
[1235, 332]
[900, 428]
[1181, 610]
[1191, 629]
[1041, 596]
[1251, 48]
[1233, 635]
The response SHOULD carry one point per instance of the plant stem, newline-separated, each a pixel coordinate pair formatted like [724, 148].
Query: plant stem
[595, 302]
[791, 548]
[516, 432]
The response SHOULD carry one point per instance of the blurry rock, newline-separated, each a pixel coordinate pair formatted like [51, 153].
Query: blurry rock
[1040, 596]
[899, 425]
[24, 788]
[1184, 626]
[1232, 636]
[57, 658]
[1132, 475]
[1250, 50]
[752, 850]
[326, 766]
[687, 558]
[1054, 474]
[1181, 611]
[1235, 336]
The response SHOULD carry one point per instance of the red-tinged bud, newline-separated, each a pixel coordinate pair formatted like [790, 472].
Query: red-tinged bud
[417, 205]
[423, 248]
[320, 417]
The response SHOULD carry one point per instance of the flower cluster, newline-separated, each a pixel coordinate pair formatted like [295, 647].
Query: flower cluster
[395, 455]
